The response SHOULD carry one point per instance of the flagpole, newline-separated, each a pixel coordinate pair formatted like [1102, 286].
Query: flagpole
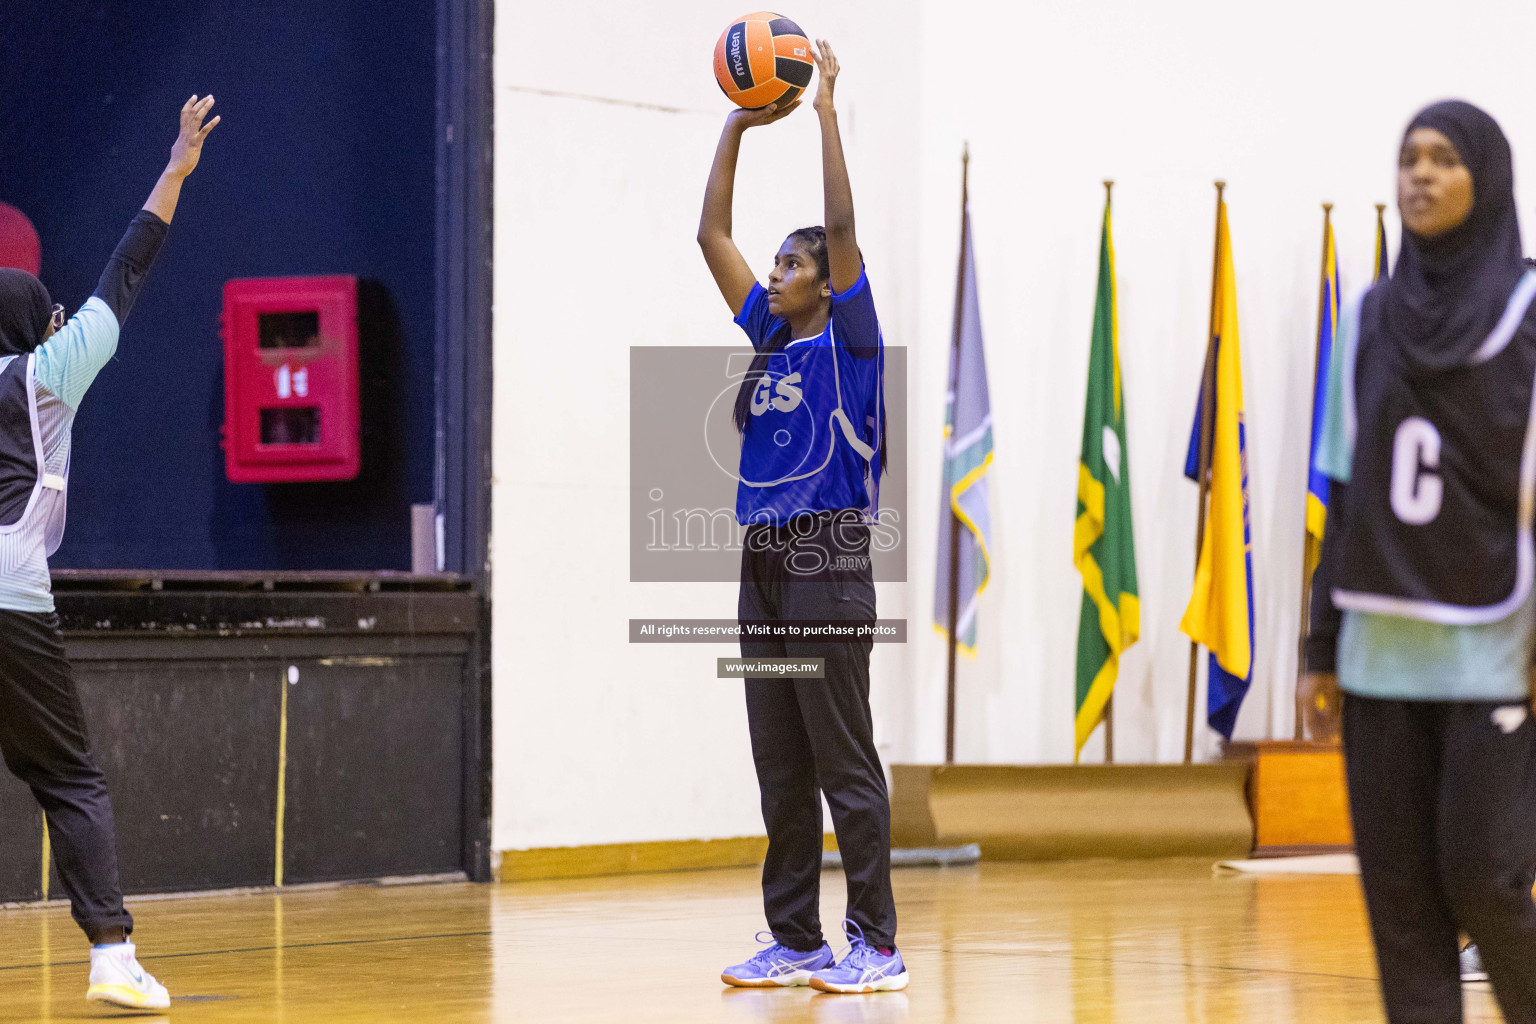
[1304, 624]
[1381, 237]
[1109, 703]
[954, 520]
[1207, 426]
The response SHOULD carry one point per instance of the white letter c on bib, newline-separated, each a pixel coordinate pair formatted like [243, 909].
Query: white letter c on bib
[1417, 491]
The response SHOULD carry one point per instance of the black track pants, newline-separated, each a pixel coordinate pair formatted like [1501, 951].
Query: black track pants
[813, 736]
[1444, 806]
[42, 735]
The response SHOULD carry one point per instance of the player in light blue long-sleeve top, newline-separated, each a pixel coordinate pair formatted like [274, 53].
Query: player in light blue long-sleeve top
[46, 365]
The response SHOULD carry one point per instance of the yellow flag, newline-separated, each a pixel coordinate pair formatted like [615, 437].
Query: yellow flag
[1220, 612]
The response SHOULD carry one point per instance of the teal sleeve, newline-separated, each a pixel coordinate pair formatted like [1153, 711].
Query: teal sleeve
[1335, 446]
[68, 362]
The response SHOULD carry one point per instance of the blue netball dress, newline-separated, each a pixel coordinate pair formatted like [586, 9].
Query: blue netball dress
[813, 434]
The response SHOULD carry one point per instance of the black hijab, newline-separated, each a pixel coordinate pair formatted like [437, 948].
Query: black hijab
[1447, 293]
[25, 310]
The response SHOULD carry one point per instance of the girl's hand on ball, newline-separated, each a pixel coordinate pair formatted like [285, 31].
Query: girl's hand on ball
[744, 118]
[1321, 705]
[827, 68]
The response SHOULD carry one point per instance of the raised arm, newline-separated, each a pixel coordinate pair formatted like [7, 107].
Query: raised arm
[125, 272]
[732, 275]
[842, 244]
[68, 361]
[185, 152]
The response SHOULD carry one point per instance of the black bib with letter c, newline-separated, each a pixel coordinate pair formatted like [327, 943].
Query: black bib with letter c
[1438, 523]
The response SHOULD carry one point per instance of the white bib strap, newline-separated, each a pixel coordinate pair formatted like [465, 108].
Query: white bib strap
[851, 436]
[1514, 315]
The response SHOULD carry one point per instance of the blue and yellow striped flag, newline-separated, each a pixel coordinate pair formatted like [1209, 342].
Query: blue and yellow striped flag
[1220, 612]
[1317, 482]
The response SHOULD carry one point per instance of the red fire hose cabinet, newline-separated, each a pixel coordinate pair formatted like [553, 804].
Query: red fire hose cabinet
[291, 379]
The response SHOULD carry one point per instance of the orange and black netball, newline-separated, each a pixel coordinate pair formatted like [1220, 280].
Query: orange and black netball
[763, 58]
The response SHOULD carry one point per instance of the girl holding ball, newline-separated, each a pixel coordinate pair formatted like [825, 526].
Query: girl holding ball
[811, 416]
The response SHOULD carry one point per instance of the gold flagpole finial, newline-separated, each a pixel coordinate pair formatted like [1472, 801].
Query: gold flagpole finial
[1327, 207]
[1221, 186]
[1381, 207]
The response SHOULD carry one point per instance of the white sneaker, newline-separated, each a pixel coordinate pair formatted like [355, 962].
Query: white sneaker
[117, 978]
[1472, 964]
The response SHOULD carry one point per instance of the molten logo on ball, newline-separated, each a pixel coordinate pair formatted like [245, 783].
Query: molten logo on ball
[740, 67]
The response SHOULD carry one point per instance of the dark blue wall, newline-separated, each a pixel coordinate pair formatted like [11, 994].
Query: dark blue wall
[323, 164]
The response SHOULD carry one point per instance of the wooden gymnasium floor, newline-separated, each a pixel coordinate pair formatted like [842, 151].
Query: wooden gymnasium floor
[1137, 943]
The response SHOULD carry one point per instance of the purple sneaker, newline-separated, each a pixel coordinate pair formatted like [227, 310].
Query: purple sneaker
[777, 966]
[864, 969]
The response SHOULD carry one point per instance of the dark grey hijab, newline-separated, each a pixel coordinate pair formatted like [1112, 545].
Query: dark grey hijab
[25, 309]
[1447, 293]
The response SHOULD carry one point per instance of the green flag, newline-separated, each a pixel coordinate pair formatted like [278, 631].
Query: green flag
[1102, 545]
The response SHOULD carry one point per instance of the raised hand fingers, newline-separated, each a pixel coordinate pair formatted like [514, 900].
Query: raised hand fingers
[194, 110]
[826, 59]
[203, 132]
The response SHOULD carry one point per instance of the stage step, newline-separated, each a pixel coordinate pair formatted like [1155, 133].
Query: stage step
[1062, 812]
[1298, 797]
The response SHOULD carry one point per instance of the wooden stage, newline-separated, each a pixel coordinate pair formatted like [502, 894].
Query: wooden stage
[1130, 941]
